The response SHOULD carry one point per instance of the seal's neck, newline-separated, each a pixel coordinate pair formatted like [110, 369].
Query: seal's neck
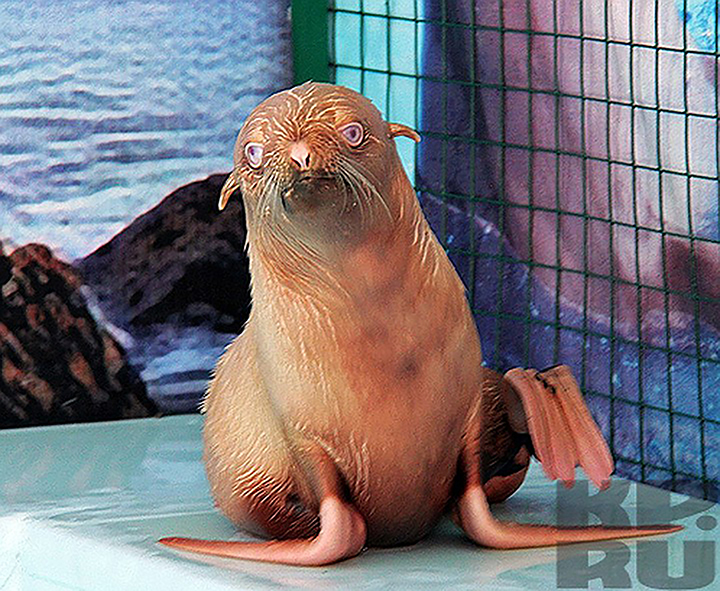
[375, 266]
[388, 263]
[397, 258]
[333, 273]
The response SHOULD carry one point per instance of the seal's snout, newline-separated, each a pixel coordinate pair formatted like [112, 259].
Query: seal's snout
[306, 189]
[300, 155]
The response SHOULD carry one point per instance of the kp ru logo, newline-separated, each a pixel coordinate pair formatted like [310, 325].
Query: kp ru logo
[658, 563]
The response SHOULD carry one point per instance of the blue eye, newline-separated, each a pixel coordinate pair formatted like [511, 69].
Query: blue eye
[254, 154]
[353, 133]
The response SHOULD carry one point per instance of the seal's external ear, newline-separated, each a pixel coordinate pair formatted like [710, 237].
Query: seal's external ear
[231, 185]
[397, 129]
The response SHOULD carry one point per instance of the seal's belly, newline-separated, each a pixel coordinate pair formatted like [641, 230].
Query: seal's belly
[401, 494]
[391, 414]
[399, 460]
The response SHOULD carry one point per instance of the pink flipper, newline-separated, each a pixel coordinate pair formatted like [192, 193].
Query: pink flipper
[474, 516]
[563, 432]
[342, 535]
[593, 455]
[547, 405]
[342, 528]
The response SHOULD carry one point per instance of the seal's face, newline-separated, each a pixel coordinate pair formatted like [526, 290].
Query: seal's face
[311, 161]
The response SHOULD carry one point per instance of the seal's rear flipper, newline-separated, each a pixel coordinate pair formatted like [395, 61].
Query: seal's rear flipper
[549, 406]
[342, 535]
[477, 521]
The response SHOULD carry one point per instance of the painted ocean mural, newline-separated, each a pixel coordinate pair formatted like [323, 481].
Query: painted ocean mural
[106, 108]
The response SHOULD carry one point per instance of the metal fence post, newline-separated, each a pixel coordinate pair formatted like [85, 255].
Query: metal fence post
[311, 58]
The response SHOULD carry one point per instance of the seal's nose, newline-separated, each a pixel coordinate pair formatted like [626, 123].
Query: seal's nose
[300, 155]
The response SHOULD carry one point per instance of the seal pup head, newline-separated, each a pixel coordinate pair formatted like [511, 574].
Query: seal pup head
[312, 164]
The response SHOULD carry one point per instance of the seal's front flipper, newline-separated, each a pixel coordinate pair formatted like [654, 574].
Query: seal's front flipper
[342, 535]
[474, 516]
[342, 529]
[563, 433]
[472, 511]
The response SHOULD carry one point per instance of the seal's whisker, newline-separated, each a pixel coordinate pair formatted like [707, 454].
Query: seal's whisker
[267, 189]
[362, 176]
[357, 183]
[359, 196]
[269, 193]
[343, 185]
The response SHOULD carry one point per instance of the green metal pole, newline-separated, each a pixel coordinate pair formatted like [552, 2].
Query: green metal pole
[311, 55]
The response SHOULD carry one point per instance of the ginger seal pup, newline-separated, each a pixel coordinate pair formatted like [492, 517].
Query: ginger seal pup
[353, 410]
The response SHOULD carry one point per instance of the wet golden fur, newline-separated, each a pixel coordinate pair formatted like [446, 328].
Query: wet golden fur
[360, 339]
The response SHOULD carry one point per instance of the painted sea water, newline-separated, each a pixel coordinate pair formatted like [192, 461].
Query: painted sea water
[105, 107]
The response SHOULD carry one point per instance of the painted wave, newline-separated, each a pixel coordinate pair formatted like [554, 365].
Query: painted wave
[105, 107]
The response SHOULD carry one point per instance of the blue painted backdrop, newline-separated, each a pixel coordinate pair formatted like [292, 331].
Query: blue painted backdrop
[108, 106]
